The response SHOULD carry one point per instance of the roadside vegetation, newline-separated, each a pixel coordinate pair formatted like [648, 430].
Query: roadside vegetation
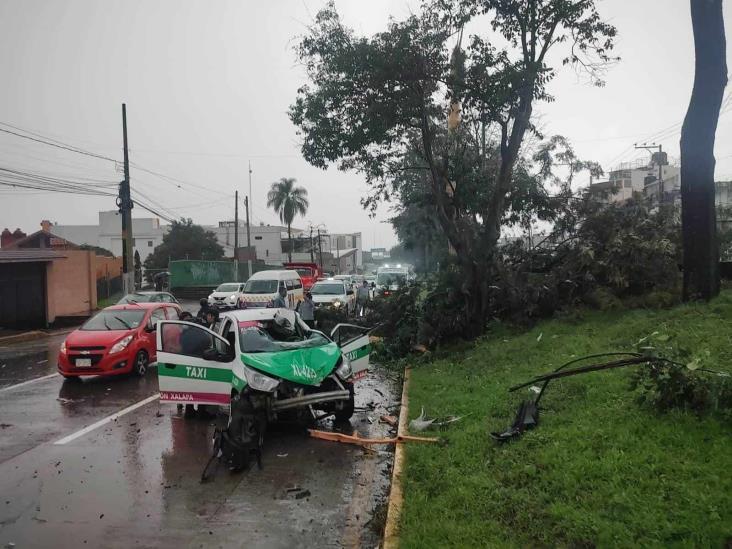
[601, 469]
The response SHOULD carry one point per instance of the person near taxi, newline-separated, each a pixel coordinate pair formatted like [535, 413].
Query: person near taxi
[205, 308]
[306, 308]
[362, 297]
[280, 302]
[211, 318]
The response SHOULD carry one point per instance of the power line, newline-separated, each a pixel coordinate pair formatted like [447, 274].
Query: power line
[64, 147]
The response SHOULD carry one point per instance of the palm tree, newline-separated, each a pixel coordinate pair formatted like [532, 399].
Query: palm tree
[288, 201]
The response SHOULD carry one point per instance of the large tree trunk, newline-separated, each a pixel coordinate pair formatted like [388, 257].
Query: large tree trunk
[698, 216]
[289, 242]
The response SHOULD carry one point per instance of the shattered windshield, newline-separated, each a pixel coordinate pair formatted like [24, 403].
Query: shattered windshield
[258, 340]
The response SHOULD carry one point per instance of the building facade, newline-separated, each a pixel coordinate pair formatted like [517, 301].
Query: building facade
[147, 233]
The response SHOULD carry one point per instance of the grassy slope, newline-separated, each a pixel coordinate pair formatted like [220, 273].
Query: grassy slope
[598, 470]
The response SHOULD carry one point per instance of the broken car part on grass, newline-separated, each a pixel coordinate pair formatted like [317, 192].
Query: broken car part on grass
[527, 415]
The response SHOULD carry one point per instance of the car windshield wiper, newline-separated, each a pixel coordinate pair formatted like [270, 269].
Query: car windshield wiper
[104, 318]
[122, 321]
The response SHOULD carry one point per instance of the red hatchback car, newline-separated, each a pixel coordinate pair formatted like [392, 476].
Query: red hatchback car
[117, 340]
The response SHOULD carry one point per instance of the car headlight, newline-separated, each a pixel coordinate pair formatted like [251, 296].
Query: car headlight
[337, 303]
[62, 350]
[121, 345]
[259, 382]
[232, 296]
[344, 371]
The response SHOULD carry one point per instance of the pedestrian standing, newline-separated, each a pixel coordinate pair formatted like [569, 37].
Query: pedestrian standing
[306, 308]
[280, 302]
[362, 298]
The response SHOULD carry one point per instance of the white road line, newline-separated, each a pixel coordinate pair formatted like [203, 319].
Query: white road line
[49, 376]
[108, 419]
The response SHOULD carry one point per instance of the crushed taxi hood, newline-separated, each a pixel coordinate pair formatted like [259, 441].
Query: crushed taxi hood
[308, 366]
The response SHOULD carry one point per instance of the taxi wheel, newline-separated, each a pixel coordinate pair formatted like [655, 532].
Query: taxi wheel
[141, 363]
[344, 410]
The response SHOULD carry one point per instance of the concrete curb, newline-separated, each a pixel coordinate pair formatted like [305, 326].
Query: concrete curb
[396, 495]
[31, 336]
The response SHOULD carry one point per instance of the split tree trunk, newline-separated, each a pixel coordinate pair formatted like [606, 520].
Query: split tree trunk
[698, 216]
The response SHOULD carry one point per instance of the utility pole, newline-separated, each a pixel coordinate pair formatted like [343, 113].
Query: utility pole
[249, 237]
[236, 223]
[312, 258]
[320, 247]
[661, 162]
[338, 255]
[250, 187]
[125, 205]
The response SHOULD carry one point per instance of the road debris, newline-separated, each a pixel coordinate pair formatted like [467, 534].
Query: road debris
[421, 423]
[391, 420]
[355, 439]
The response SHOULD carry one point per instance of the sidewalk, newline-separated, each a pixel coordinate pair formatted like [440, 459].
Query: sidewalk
[8, 337]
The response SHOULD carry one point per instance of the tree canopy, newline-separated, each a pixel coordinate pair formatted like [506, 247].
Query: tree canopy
[185, 240]
[421, 97]
[288, 201]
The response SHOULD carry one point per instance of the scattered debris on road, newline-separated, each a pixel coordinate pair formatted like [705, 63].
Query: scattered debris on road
[391, 420]
[355, 439]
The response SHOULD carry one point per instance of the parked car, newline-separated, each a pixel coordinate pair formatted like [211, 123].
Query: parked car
[227, 295]
[117, 340]
[148, 297]
[334, 293]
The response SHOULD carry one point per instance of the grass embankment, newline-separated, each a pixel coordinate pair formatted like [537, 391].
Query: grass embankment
[598, 471]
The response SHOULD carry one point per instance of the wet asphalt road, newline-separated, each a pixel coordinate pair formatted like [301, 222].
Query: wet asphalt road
[134, 480]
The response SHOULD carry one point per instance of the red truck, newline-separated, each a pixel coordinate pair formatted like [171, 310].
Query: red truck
[309, 273]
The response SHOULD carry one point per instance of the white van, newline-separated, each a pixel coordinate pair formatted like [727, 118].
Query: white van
[262, 288]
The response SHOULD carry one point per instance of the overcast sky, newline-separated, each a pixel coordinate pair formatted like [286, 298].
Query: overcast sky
[208, 83]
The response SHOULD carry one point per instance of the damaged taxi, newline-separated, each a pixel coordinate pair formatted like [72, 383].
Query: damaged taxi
[266, 365]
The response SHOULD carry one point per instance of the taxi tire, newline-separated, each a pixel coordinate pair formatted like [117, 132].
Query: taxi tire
[346, 412]
[141, 364]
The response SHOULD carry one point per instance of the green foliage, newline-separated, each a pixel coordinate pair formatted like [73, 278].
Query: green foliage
[685, 380]
[378, 105]
[138, 269]
[599, 471]
[184, 240]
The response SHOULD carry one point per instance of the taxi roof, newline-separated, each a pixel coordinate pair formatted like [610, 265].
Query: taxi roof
[257, 314]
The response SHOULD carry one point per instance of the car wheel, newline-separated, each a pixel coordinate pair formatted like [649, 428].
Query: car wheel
[141, 363]
[344, 410]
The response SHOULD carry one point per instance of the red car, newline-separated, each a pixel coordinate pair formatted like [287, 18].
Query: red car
[117, 340]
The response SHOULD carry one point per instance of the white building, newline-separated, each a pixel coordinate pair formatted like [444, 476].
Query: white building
[639, 179]
[147, 233]
[270, 243]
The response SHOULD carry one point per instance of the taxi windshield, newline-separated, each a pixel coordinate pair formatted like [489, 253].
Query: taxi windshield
[254, 339]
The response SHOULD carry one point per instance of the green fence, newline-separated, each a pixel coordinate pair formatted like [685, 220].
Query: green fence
[189, 273]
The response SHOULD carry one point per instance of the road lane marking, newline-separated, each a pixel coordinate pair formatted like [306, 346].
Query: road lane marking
[108, 419]
[49, 376]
